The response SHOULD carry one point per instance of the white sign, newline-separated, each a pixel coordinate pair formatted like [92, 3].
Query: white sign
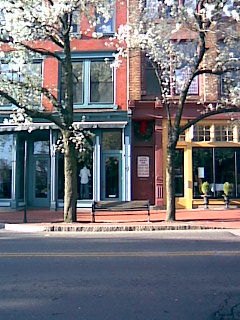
[201, 172]
[143, 167]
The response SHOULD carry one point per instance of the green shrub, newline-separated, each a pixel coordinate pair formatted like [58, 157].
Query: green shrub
[227, 188]
[205, 188]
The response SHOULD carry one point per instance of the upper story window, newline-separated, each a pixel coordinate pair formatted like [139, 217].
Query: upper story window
[223, 133]
[76, 22]
[93, 83]
[152, 85]
[202, 133]
[183, 60]
[106, 24]
[30, 74]
[229, 81]
[101, 82]
[228, 8]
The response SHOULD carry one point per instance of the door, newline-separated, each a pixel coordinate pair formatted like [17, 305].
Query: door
[143, 174]
[41, 181]
[111, 177]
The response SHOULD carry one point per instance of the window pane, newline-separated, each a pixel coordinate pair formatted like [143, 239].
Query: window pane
[105, 26]
[152, 84]
[6, 143]
[31, 73]
[181, 77]
[202, 169]
[101, 89]
[112, 140]
[20, 169]
[179, 173]
[76, 21]
[77, 83]
[224, 169]
[41, 147]
[84, 187]
[112, 167]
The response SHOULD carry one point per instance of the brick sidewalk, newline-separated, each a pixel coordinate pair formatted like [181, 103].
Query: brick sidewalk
[186, 219]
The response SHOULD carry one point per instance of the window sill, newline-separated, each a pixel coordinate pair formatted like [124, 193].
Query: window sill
[96, 106]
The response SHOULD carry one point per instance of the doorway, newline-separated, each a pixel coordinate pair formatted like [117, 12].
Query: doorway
[143, 174]
[111, 177]
[41, 181]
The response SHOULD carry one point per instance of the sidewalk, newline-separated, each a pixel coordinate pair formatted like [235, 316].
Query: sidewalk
[46, 220]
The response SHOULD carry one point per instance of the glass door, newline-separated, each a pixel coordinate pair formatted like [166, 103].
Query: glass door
[111, 177]
[41, 187]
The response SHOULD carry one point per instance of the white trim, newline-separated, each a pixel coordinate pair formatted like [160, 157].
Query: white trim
[44, 126]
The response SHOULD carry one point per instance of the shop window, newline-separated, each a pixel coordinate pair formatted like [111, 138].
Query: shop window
[224, 133]
[217, 166]
[202, 169]
[20, 168]
[179, 173]
[84, 176]
[93, 83]
[202, 133]
[112, 140]
[6, 145]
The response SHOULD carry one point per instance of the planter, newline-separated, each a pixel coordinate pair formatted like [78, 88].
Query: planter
[206, 200]
[227, 201]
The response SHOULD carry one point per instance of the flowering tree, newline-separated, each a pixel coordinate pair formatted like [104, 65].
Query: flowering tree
[44, 29]
[184, 40]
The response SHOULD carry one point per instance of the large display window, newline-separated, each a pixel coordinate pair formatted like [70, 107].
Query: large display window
[6, 144]
[84, 176]
[217, 166]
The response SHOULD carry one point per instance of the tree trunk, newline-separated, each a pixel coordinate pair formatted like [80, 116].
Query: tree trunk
[170, 183]
[70, 175]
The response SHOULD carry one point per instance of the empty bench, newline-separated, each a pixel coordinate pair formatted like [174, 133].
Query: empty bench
[119, 206]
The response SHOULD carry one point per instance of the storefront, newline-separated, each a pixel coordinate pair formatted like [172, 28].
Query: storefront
[208, 152]
[108, 164]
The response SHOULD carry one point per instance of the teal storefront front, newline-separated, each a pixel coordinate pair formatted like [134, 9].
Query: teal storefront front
[31, 151]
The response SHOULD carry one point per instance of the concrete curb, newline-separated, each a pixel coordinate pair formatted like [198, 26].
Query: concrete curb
[24, 227]
[106, 228]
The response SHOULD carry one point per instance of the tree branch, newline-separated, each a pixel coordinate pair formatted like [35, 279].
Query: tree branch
[207, 115]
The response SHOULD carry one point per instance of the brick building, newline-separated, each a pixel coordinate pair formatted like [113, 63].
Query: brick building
[100, 96]
[209, 151]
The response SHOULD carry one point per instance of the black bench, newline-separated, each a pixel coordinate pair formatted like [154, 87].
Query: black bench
[136, 205]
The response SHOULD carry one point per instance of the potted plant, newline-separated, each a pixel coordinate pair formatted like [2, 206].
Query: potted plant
[205, 191]
[227, 190]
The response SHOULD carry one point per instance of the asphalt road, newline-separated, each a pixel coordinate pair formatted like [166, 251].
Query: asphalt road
[126, 276]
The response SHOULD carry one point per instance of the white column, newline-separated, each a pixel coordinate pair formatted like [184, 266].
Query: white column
[96, 170]
[128, 168]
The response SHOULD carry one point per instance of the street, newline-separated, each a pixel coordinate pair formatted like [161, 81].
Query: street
[178, 275]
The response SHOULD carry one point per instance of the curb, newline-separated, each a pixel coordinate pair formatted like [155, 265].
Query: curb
[24, 228]
[113, 228]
